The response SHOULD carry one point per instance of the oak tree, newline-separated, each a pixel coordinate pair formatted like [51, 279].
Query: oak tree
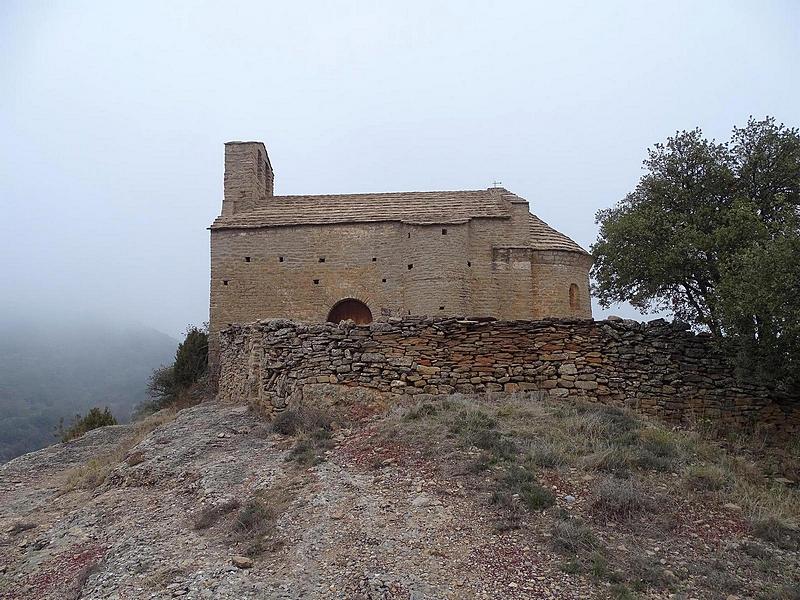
[711, 233]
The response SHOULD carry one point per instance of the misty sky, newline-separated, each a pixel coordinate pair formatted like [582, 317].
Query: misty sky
[113, 117]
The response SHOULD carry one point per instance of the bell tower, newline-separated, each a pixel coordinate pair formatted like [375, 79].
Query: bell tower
[249, 179]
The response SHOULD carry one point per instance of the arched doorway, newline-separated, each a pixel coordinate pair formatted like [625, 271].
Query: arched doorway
[352, 309]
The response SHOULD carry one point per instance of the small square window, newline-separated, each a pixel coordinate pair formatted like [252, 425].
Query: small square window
[280, 259]
[383, 280]
[410, 266]
[321, 259]
[374, 259]
[246, 259]
[224, 282]
[444, 231]
[316, 282]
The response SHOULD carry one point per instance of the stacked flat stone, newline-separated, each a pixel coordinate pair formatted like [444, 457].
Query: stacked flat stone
[657, 368]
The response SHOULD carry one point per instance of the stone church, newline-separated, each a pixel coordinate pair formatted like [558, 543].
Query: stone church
[364, 256]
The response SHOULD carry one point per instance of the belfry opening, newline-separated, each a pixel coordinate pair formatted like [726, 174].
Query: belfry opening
[352, 309]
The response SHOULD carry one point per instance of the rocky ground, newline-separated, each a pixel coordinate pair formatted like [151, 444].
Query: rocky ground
[376, 519]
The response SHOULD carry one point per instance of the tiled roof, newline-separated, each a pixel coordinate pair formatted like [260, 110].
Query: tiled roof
[544, 237]
[408, 207]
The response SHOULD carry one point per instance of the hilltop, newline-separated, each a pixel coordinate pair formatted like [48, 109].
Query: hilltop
[511, 496]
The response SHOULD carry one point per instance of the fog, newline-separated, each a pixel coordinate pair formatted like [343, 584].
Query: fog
[113, 117]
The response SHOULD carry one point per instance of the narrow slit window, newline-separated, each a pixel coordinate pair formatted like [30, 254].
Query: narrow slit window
[280, 259]
[574, 297]
[409, 236]
[444, 231]
[469, 263]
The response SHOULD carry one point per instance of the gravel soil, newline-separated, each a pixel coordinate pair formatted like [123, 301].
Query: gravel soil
[368, 522]
[350, 531]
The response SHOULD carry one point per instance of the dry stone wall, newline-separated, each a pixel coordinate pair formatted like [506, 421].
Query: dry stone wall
[657, 368]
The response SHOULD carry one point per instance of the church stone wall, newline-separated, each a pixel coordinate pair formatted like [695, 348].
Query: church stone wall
[396, 269]
[554, 272]
[657, 368]
[481, 265]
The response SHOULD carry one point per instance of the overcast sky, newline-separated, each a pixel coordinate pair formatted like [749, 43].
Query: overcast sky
[113, 117]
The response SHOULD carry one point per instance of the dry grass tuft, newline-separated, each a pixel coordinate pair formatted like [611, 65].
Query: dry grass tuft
[621, 498]
[504, 441]
[573, 536]
[254, 526]
[519, 484]
[776, 530]
[93, 473]
[313, 428]
[303, 418]
[209, 515]
[707, 478]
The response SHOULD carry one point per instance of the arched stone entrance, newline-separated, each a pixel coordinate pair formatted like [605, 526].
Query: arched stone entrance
[350, 308]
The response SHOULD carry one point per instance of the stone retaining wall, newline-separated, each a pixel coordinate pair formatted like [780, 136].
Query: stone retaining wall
[657, 368]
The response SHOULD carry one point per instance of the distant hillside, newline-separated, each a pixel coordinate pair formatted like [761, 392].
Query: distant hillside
[53, 370]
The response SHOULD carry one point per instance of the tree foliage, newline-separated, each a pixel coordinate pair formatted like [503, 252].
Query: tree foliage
[168, 384]
[712, 234]
[94, 418]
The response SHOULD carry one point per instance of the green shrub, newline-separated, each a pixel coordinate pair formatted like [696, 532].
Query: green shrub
[94, 418]
[521, 483]
[191, 359]
[495, 444]
[175, 384]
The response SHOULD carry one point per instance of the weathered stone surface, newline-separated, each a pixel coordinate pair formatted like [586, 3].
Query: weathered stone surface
[454, 253]
[652, 367]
